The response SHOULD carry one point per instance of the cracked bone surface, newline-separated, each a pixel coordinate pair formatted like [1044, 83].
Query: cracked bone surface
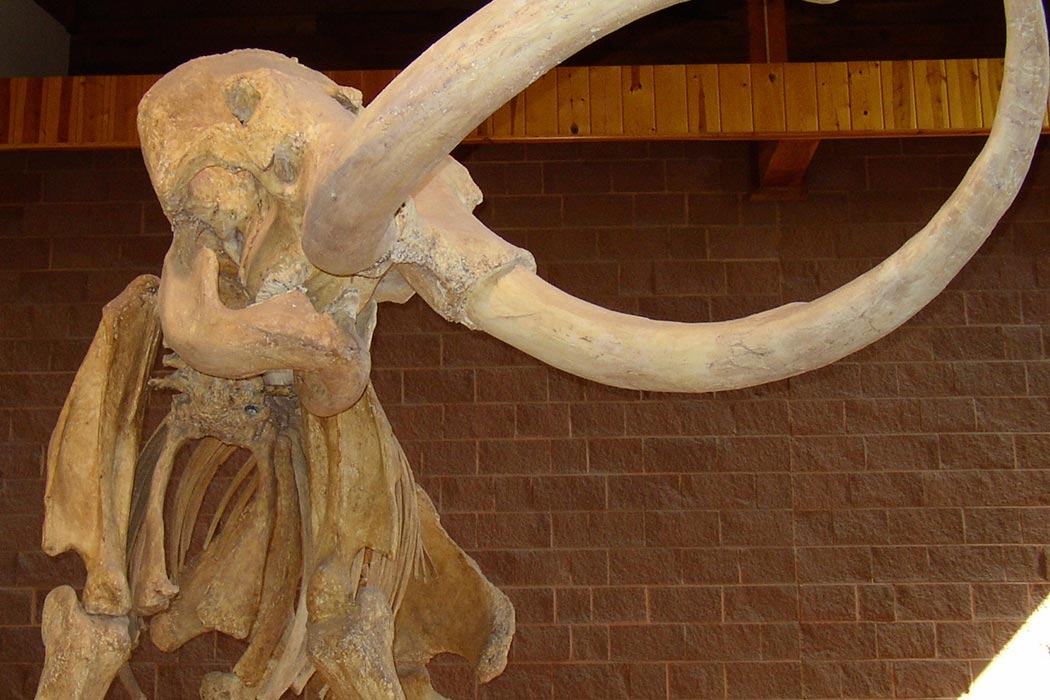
[84, 652]
[322, 552]
[91, 458]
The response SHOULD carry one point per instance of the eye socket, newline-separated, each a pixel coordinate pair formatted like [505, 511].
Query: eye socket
[242, 97]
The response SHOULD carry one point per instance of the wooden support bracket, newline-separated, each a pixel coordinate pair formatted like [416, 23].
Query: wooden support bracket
[780, 166]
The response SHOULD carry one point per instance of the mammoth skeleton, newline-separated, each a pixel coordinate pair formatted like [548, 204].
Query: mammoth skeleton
[296, 211]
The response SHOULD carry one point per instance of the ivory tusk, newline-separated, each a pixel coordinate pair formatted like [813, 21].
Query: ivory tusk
[638, 353]
[427, 110]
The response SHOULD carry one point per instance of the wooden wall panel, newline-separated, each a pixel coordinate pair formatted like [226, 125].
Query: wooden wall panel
[731, 101]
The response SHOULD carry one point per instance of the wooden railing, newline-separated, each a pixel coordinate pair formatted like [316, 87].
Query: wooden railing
[729, 101]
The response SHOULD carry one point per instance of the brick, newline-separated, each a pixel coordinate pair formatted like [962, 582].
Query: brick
[522, 531]
[814, 527]
[906, 640]
[925, 526]
[619, 604]
[761, 603]
[598, 209]
[448, 457]
[545, 493]
[520, 683]
[723, 642]
[763, 565]
[826, 453]
[514, 456]
[695, 680]
[646, 642]
[838, 640]
[929, 678]
[682, 277]
[540, 643]
[644, 566]
[834, 565]
[827, 603]
[1000, 601]
[876, 602]
[695, 528]
[599, 529]
[597, 420]
[886, 489]
[685, 604]
[817, 417]
[719, 491]
[756, 527]
[669, 454]
[965, 640]
[513, 384]
[936, 602]
[436, 386]
[763, 680]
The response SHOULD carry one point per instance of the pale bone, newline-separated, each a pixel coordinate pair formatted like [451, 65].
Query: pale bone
[475, 620]
[638, 353]
[282, 332]
[84, 652]
[91, 458]
[151, 588]
[282, 571]
[431, 106]
[352, 650]
[221, 591]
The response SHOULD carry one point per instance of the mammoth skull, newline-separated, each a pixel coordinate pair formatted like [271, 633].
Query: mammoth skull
[296, 211]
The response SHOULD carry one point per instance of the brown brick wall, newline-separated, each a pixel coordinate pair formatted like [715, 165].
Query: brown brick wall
[876, 529]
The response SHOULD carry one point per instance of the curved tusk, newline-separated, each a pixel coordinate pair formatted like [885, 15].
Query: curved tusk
[640, 353]
[431, 106]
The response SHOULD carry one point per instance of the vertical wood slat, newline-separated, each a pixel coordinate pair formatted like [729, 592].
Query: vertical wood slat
[768, 99]
[17, 99]
[541, 106]
[672, 103]
[895, 97]
[898, 96]
[574, 102]
[703, 99]
[734, 93]
[800, 96]
[639, 100]
[964, 94]
[990, 82]
[865, 96]
[833, 110]
[606, 101]
[931, 95]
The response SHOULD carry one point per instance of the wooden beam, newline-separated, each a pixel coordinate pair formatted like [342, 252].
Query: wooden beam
[780, 166]
[603, 103]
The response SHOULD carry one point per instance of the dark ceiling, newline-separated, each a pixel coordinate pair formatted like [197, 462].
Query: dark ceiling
[131, 36]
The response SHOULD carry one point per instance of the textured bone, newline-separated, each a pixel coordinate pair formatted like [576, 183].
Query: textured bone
[352, 651]
[84, 652]
[222, 588]
[431, 105]
[637, 353]
[280, 333]
[91, 458]
[151, 589]
[444, 255]
[283, 568]
[474, 619]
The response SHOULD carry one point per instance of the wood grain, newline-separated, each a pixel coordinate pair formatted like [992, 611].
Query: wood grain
[729, 101]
